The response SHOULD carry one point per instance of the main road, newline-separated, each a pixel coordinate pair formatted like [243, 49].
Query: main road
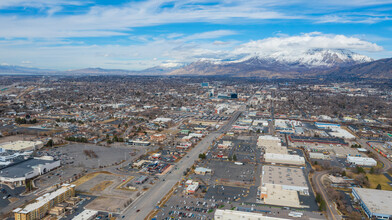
[142, 206]
[318, 184]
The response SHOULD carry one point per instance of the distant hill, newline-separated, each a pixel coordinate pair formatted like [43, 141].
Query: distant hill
[379, 69]
[10, 69]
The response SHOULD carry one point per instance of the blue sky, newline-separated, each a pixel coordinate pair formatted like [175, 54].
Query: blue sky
[71, 34]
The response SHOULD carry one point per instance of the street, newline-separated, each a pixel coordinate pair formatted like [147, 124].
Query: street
[141, 207]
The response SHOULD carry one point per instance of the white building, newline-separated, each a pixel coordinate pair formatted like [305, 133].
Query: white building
[288, 177]
[191, 189]
[376, 203]
[17, 174]
[362, 161]
[238, 215]
[86, 215]
[162, 120]
[315, 155]
[268, 141]
[284, 159]
[22, 145]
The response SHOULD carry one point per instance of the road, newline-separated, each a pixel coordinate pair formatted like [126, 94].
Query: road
[331, 210]
[149, 200]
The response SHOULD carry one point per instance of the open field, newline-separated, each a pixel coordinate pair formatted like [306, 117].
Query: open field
[88, 177]
[376, 179]
[107, 204]
[101, 186]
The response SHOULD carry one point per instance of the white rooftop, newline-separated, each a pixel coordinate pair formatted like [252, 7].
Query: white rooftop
[281, 175]
[20, 145]
[269, 137]
[377, 201]
[238, 215]
[86, 214]
[284, 157]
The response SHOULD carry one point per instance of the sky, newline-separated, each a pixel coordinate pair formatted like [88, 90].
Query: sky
[139, 34]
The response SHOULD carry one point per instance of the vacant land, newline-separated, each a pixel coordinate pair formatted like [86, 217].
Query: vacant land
[88, 177]
[107, 204]
[101, 186]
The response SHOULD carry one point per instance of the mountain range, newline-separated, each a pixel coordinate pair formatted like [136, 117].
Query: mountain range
[314, 63]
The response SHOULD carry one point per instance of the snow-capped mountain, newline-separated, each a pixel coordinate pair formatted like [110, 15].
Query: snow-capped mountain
[280, 63]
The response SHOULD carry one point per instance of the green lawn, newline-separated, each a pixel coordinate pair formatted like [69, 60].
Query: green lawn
[376, 179]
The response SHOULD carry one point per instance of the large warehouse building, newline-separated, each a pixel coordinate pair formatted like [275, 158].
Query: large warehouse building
[376, 203]
[362, 161]
[268, 141]
[18, 173]
[238, 215]
[284, 159]
[272, 194]
[287, 177]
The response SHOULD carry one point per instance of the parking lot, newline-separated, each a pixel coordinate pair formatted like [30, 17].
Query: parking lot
[7, 194]
[227, 171]
[181, 206]
[226, 193]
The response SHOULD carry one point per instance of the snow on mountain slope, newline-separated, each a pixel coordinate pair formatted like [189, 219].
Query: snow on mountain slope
[312, 57]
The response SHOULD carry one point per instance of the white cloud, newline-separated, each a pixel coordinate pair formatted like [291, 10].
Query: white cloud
[115, 20]
[38, 3]
[104, 21]
[305, 42]
[210, 35]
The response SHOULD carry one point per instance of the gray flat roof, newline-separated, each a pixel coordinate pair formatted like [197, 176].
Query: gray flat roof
[377, 201]
[20, 169]
[280, 175]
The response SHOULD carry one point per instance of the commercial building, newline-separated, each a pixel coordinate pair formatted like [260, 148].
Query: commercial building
[202, 170]
[376, 203]
[321, 156]
[162, 120]
[362, 161]
[318, 140]
[326, 125]
[138, 143]
[284, 159]
[268, 141]
[39, 208]
[238, 215]
[22, 145]
[275, 195]
[141, 179]
[86, 215]
[18, 173]
[287, 177]
[191, 189]
[341, 133]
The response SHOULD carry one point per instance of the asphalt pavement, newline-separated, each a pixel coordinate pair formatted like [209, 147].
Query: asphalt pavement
[141, 207]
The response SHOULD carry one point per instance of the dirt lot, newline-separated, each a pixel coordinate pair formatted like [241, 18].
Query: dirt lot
[106, 187]
[99, 183]
[107, 204]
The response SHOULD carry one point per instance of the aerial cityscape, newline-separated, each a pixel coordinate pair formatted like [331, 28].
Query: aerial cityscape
[194, 109]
